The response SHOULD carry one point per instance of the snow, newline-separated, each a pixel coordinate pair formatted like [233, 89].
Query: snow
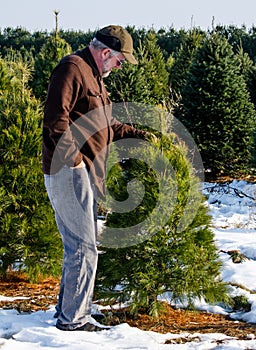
[233, 209]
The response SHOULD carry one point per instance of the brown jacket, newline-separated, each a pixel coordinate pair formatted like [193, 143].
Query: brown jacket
[78, 123]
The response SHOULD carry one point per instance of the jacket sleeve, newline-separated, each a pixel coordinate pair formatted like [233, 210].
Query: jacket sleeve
[62, 95]
[122, 130]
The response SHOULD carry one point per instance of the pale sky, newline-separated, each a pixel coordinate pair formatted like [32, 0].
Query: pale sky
[84, 15]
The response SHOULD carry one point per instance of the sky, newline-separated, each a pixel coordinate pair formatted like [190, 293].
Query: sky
[90, 15]
[234, 228]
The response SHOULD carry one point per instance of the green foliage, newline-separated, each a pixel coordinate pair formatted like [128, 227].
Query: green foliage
[239, 37]
[216, 108]
[241, 303]
[19, 39]
[146, 82]
[48, 57]
[182, 61]
[28, 233]
[76, 39]
[173, 251]
[170, 40]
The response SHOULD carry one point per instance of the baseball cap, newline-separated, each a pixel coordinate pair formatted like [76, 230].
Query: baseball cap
[117, 38]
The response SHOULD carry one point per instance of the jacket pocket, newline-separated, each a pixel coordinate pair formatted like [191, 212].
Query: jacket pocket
[95, 99]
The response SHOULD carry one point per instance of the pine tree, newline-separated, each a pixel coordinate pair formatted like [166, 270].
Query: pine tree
[173, 250]
[216, 108]
[146, 82]
[182, 61]
[28, 233]
[248, 70]
[47, 58]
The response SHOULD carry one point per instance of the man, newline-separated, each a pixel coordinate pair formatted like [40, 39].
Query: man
[78, 128]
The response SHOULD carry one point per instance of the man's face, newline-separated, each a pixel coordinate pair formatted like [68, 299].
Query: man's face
[112, 62]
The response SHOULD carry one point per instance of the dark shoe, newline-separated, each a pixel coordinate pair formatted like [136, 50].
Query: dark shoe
[88, 327]
[97, 317]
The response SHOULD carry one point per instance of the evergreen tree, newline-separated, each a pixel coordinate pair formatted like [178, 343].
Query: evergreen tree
[239, 37]
[248, 70]
[216, 108]
[146, 82]
[28, 233]
[166, 256]
[170, 40]
[15, 38]
[48, 57]
[76, 39]
[181, 63]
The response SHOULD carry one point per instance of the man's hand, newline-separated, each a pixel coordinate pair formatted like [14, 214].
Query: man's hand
[150, 137]
[80, 165]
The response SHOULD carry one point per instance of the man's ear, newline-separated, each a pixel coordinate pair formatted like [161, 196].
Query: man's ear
[105, 53]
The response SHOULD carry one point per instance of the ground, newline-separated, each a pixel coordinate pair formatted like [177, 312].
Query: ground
[44, 294]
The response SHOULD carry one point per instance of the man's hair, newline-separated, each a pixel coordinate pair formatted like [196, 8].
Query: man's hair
[98, 45]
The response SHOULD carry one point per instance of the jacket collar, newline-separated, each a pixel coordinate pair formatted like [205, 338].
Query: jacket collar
[88, 58]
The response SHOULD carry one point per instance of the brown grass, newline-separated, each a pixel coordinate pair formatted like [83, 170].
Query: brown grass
[43, 294]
